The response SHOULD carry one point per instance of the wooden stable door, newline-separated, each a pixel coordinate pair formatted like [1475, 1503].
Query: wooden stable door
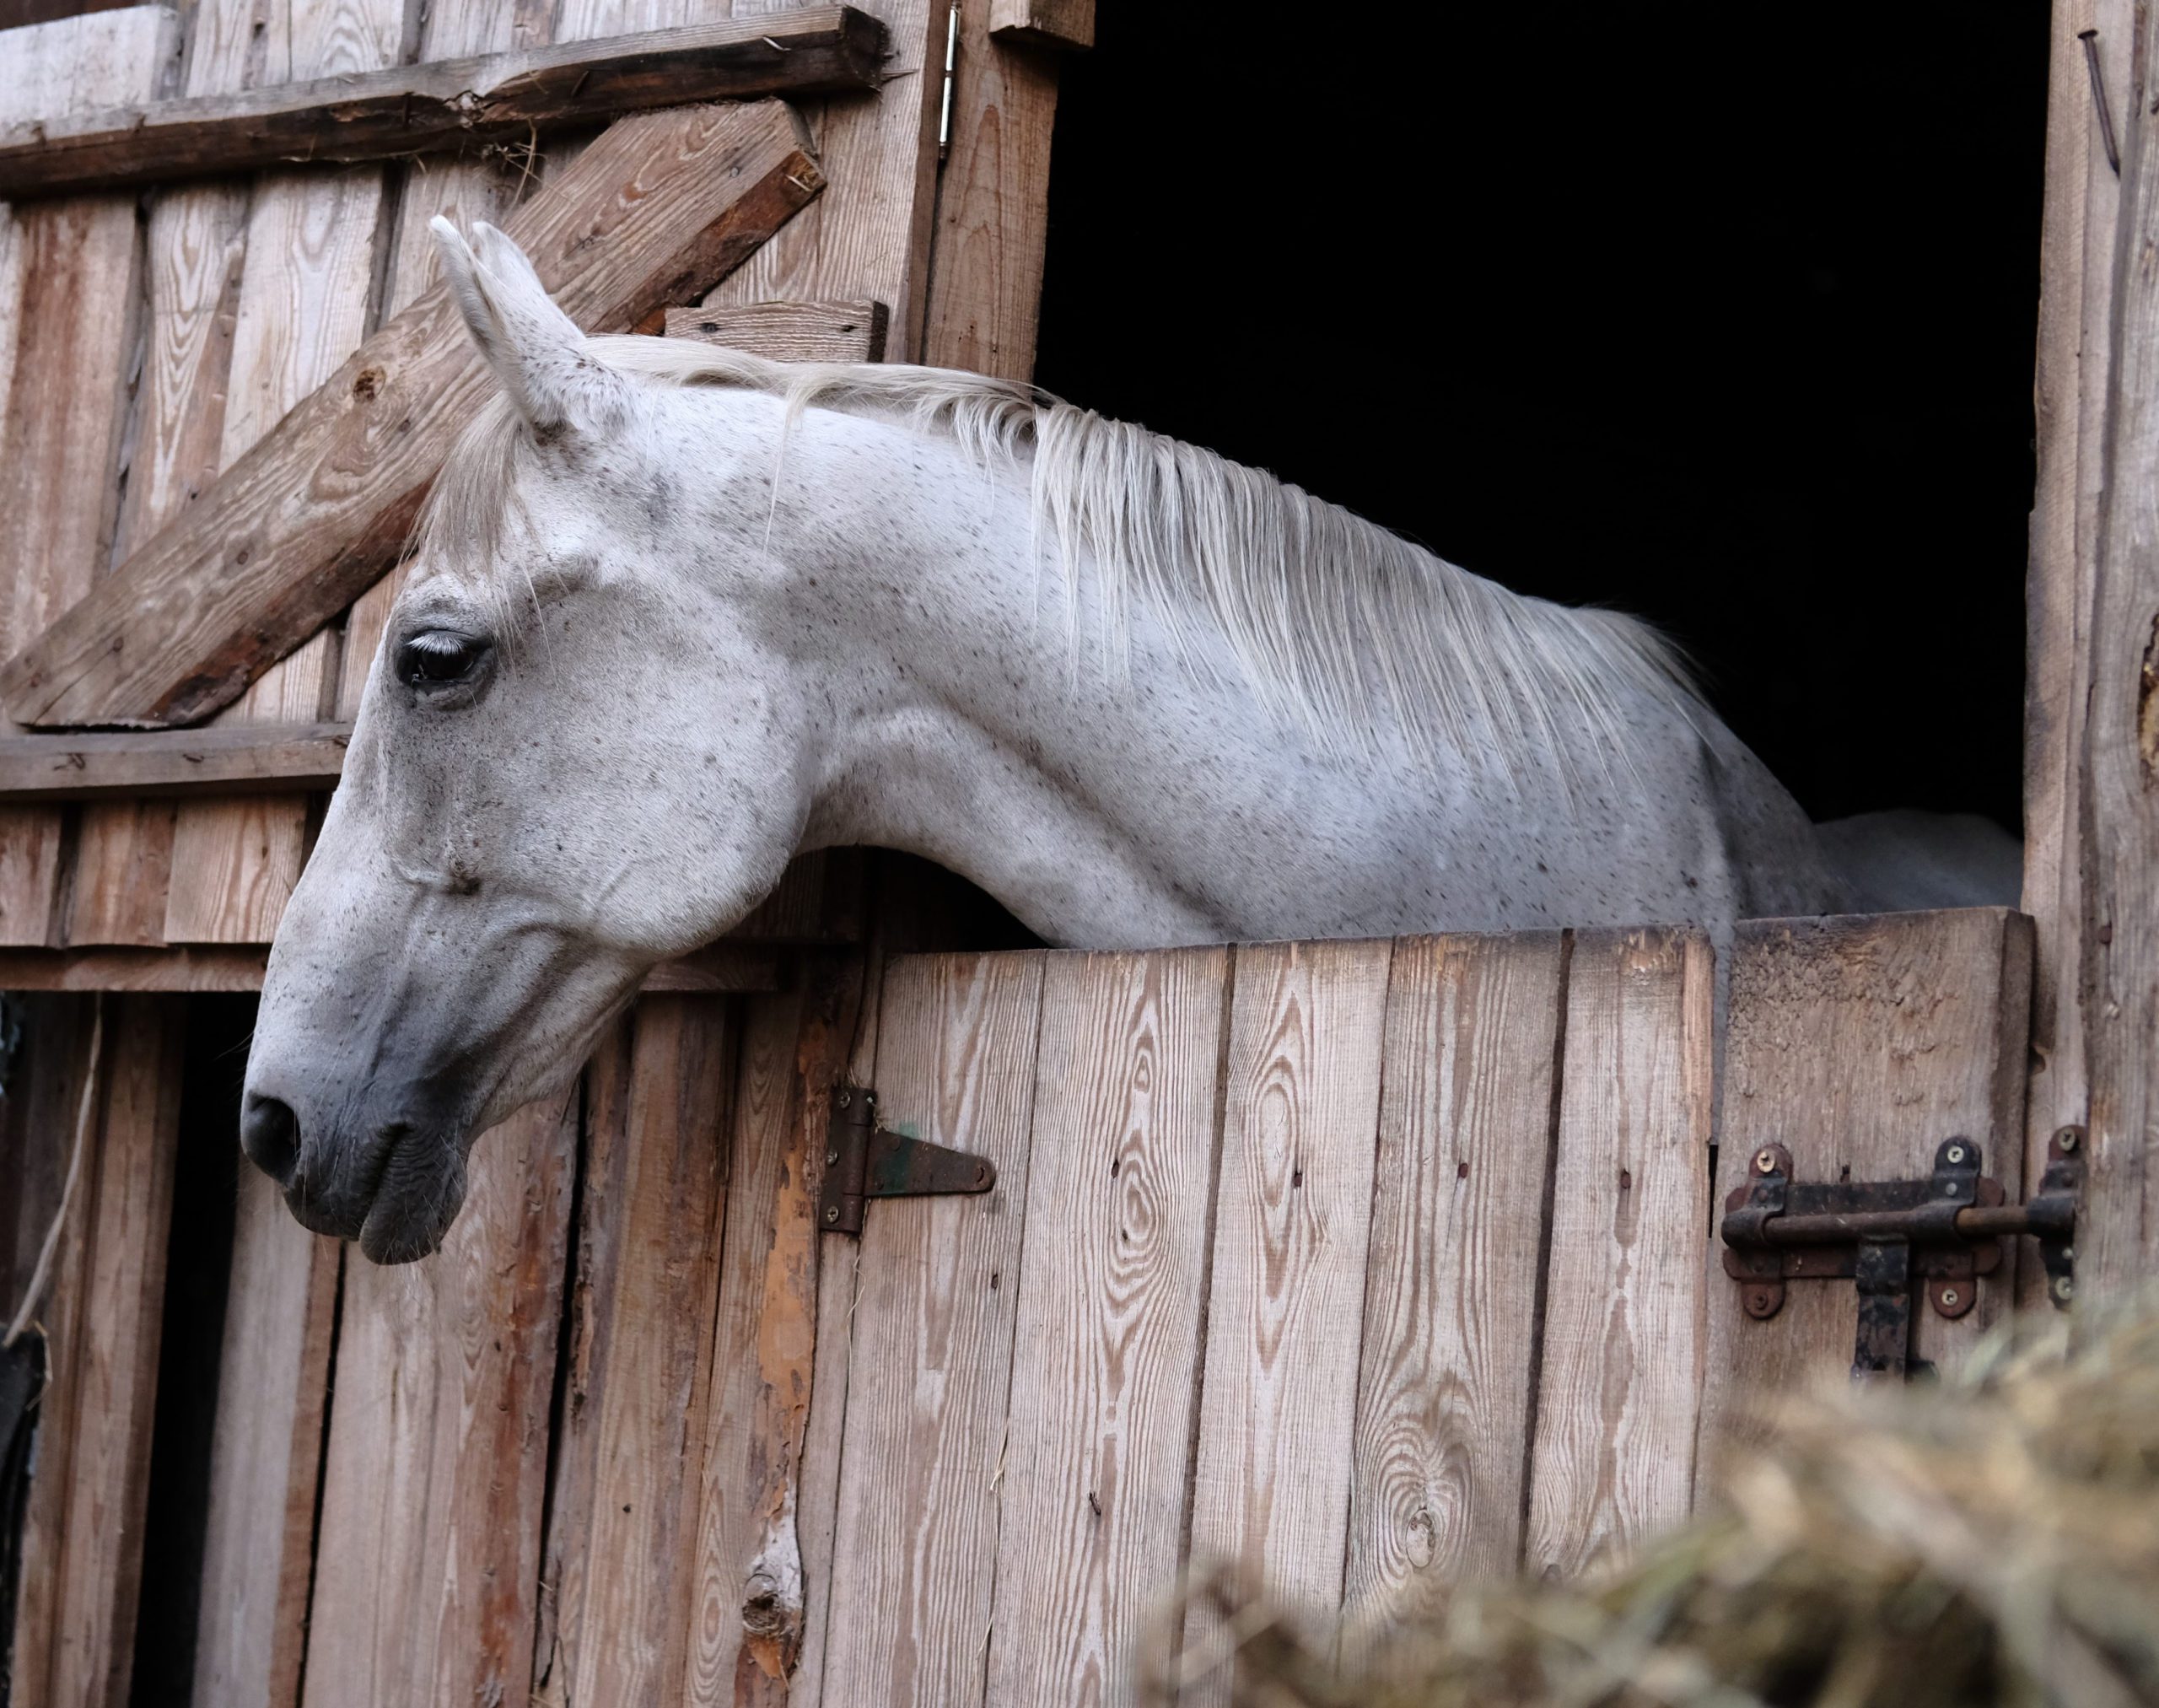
[1365, 1265]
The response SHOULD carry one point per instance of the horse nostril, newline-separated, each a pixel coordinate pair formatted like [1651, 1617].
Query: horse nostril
[270, 1133]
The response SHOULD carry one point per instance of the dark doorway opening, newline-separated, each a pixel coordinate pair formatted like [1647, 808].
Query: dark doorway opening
[1724, 319]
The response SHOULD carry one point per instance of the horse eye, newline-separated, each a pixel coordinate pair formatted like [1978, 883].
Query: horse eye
[436, 657]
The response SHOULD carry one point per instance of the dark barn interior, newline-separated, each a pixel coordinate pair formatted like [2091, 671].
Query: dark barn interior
[1726, 319]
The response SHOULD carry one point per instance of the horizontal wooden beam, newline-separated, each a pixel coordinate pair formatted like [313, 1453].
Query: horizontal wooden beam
[502, 100]
[718, 970]
[654, 212]
[789, 331]
[224, 759]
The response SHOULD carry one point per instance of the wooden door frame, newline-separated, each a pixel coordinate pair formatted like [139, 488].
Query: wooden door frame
[2091, 724]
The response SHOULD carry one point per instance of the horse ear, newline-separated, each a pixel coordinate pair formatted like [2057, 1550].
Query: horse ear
[533, 348]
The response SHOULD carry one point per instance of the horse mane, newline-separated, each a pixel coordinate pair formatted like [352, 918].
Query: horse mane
[1326, 614]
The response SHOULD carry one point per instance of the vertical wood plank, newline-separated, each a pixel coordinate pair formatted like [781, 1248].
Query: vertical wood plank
[2118, 1236]
[303, 306]
[1293, 1216]
[1620, 1383]
[82, 1534]
[622, 1534]
[750, 1600]
[69, 295]
[123, 871]
[867, 237]
[1860, 1043]
[272, 1388]
[993, 206]
[747, 1367]
[1113, 1288]
[1452, 1288]
[921, 1472]
[427, 1566]
[231, 349]
[2076, 293]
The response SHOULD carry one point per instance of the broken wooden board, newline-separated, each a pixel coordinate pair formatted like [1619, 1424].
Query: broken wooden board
[661, 206]
[451, 104]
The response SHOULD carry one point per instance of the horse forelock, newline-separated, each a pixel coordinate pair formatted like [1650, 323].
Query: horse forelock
[1328, 615]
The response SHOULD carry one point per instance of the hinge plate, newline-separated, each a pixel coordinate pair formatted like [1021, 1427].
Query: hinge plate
[864, 1159]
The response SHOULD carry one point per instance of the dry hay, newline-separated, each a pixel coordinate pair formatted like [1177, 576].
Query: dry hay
[1991, 1540]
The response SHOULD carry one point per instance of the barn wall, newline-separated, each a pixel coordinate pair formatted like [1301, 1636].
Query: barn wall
[373, 1454]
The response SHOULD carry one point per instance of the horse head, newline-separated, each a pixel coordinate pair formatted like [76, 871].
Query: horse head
[569, 763]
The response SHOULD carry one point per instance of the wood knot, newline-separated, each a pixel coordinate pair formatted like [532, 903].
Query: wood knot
[764, 1608]
[369, 383]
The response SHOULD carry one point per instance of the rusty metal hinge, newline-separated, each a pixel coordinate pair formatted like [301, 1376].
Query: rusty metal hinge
[1946, 1229]
[864, 1160]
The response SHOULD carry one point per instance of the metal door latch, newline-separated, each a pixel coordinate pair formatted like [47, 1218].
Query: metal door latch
[864, 1160]
[1946, 1229]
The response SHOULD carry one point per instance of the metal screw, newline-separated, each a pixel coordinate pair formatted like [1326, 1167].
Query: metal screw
[832, 1212]
[831, 1158]
[2066, 1138]
[1765, 1162]
[846, 1098]
[1949, 1189]
[2065, 1288]
[1956, 1153]
[1950, 1296]
[2069, 1254]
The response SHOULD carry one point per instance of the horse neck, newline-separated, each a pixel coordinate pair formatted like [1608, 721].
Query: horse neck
[977, 716]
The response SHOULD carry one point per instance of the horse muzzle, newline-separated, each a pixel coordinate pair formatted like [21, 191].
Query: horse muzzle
[394, 1186]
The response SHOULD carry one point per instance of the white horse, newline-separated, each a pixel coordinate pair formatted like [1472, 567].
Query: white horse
[678, 614]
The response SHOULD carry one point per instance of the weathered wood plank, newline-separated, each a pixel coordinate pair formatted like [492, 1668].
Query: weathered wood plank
[1065, 25]
[1621, 1374]
[210, 968]
[258, 1558]
[301, 525]
[306, 261]
[306, 299]
[993, 206]
[2117, 1237]
[458, 105]
[894, 928]
[2076, 285]
[427, 1573]
[196, 245]
[1097, 1465]
[67, 302]
[750, 1606]
[1860, 1043]
[1454, 1282]
[916, 1547]
[1293, 1217]
[867, 238]
[83, 1535]
[224, 759]
[789, 331]
[622, 1534]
